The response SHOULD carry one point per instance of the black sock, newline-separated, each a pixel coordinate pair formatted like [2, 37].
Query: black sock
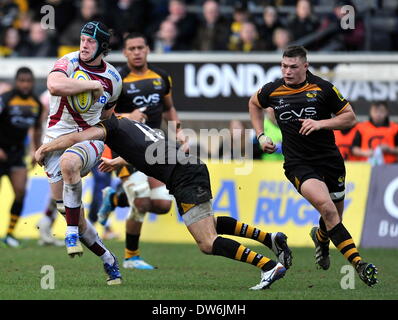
[132, 242]
[342, 239]
[228, 225]
[234, 250]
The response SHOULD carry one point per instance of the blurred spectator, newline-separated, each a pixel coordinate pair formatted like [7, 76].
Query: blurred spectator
[376, 140]
[89, 11]
[344, 141]
[214, 30]
[335, 38]
[304, 22]
[10, 43]
[8, 15]
[126, 16]
[38, 44]
[272, 130]
[249, 39]
[25, 24]
[281, 38]
[240, 15]
[186, 23]
[166, 38]
[271, 22]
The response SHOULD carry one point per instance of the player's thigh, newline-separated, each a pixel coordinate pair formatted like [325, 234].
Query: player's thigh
[89, 153]
[317, 193]
[18, 178]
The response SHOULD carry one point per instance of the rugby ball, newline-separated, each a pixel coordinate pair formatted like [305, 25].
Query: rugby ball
[81, 102]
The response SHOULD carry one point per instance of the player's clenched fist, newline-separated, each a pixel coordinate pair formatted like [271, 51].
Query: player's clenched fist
[266, 143]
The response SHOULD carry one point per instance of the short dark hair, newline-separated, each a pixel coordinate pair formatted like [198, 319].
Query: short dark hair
[295, 51]
[379, 103]
[134, 35]
[23, 70]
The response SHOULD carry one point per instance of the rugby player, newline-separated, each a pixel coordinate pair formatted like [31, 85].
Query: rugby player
[187, 178]
[20, 110]
[64, 168]
[303, 105]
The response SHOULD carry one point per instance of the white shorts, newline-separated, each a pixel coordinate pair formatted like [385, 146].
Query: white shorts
[89, 151]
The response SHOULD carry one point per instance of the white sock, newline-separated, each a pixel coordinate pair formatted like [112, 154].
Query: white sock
[72, 194]
[72, 229]
[107, 257]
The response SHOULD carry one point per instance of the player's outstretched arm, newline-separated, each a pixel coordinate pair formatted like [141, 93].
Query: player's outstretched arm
[68, 140]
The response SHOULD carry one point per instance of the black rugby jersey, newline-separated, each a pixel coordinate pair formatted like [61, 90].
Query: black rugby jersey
[146, 90]
[144, 148]
[316, 99]
[17, 114]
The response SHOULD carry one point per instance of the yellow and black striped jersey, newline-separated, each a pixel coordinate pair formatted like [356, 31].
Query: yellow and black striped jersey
[315, 99]
[18, 113]
[146, 91]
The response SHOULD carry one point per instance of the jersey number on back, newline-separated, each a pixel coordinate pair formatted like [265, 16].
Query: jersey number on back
[149, 132]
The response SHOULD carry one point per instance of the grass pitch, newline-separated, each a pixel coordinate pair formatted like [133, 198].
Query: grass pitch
[184, 273]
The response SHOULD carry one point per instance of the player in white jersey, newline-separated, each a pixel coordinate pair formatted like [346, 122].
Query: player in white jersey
[66, 167]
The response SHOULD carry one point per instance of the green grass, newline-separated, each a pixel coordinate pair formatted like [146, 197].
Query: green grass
[185, 274]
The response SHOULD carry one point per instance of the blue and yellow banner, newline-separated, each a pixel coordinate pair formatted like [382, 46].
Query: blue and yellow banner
[261, 196]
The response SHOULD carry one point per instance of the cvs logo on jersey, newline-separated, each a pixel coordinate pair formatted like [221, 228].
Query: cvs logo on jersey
[296, 114]
[147, 100]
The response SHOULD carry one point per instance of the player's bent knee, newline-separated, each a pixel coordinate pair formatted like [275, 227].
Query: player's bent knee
[136, 186]
[160, 206]
[142, 204]
[329, 213]
[70, 163]
[206, 247]
[161, 193]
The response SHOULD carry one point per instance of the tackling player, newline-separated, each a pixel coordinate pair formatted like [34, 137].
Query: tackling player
[303, 105]
[65, 168]
[187, 178]
[146, 97]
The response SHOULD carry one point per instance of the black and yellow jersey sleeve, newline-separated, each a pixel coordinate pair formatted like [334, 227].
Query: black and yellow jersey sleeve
[264, 93]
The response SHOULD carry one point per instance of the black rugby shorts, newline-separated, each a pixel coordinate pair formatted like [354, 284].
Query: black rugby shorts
[331, 173]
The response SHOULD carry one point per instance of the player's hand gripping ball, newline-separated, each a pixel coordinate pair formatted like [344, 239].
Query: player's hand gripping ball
[81, 102]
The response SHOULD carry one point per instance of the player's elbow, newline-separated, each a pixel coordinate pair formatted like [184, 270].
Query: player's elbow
[53, 88]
